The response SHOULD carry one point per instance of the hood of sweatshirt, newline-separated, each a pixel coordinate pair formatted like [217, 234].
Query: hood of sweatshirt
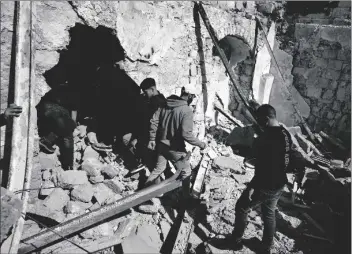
[174, 101]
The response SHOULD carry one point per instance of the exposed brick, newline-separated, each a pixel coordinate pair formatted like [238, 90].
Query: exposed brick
[332, 74]
[330, 115]
[321, 62]
[344, 55]
[328, 94]
[340, 94]
[298, 71]
[346, 77]
[330, 54]
[335, 64]
[313, 91]
[323, 82]
[336, 106]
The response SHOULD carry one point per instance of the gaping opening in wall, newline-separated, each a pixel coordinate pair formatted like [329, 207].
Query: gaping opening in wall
[88, 87]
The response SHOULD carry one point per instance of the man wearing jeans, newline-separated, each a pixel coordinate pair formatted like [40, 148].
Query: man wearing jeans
[272, 151]
[171, 126]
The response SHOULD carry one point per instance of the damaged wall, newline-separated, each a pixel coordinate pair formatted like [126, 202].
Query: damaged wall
[322, 74]
[163, 44]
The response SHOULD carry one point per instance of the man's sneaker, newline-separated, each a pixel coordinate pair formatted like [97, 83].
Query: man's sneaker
[46, 146]
[102, 147]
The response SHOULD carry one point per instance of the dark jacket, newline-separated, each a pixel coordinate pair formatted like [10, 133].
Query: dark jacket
[173, 124]
[273, 153]
[148, 109]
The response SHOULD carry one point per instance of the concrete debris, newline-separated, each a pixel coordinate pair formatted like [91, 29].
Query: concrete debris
[41, 210]
[82, 131]
[102, 230]
[69, 179]
[90, 153]
[92, 166]
[47, 188]
[82, 193]
[96, 179]
[115, 185]
[109, 172]
[102, 193]
[76, 207]
[11, 208]
[56, 200]
[224, 163]
[92, 138]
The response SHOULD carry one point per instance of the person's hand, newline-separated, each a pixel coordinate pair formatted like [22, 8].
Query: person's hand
[13, 111]
[151, 145]
[251, 191]
[134, 143]
[203, 146]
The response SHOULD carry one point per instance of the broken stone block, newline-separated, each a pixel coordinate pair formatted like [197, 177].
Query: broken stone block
[148, 209]
[224, 163]
[89, 153]
[113, 199]
[100, 231]
[150, 235]
[47, 161]
[102, 193]
[96, 179]
[57, 200]
[109, 172]
[134, 244]
[91, 166]
[11, 208]
[82, 193]
[76, 207]
[69, 179]
[47, 188]
[46, 212]
[115, 185]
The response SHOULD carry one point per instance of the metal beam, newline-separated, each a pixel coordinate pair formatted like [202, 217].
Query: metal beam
[47, 238]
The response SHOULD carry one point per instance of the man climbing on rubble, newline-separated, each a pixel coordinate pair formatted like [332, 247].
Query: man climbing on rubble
[272, 153]
[12, 111]
[57, 113]
[170, 127]
[138, 142]
[275, 154]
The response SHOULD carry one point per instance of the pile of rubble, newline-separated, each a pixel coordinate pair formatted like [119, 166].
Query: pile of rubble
[97, 180]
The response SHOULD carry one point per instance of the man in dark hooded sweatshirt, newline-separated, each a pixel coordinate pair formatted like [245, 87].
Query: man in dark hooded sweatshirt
[170, 127]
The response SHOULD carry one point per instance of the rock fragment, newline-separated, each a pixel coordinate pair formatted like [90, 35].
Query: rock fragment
[109, 172]
[102, 193]
[71, 178]
[56, 200]
[92, 167]
[83, 193]
[47, 188]
[90, 153]
[11, 208]
[225, 163]
[96, 179]
[115, 185]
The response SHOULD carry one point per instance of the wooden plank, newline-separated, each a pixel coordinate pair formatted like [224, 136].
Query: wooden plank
[198, 183]
[22, 143]
[228, 116]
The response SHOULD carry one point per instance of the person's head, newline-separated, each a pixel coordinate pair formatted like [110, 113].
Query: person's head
[188, 93]
[148, 87]
[266, 116]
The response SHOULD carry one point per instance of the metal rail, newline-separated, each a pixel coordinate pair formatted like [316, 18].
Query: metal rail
[47, 237]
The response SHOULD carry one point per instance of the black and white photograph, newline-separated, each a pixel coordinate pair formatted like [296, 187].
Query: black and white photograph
[175, 127]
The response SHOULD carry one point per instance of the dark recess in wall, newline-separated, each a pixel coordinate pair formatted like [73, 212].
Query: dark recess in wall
[309, 7]
[88, 64]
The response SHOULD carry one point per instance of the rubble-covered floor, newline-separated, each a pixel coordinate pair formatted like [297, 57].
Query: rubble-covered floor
[100, 179]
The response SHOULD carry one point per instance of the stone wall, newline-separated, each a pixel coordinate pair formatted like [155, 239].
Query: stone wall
[322, 75]
[159, 39]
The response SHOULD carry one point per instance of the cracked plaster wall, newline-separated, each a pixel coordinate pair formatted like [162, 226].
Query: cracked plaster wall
[158, 37]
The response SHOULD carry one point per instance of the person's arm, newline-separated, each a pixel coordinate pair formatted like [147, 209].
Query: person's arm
[12, 111]
[154, 124]
[187, 130]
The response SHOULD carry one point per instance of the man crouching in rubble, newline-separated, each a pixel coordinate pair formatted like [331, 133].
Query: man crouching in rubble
[272, 153]
[170, 127]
